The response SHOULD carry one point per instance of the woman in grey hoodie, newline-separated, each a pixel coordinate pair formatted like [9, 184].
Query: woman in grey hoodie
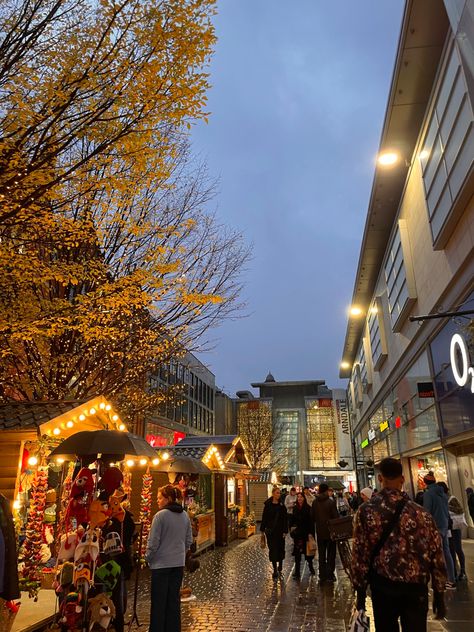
[169, 540]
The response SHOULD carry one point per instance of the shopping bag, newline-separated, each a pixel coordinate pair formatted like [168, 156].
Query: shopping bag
[359, 622]
[263, 541]
[310, 546]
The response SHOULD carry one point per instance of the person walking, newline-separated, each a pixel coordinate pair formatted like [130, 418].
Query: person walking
[366, 494]
[470, 502]
[342, 505]
[308, 495]
[456, 515]
[396, 549]
[169, 540]
[435, 501]
[290, 500]
[322, 510]
[274, 526]
[301, 528]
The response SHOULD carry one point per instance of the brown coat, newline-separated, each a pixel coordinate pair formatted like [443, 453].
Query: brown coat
[322, 510]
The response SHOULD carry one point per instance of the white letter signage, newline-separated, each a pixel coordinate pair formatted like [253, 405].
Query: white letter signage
[460, 365]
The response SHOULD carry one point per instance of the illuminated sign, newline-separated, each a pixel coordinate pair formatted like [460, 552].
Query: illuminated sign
[371, 434]
[364, 443]
[460, 362]
[325, 403]
[398, 422]
[383, 426]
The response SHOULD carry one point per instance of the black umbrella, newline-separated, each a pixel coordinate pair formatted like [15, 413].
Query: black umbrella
[186, 465]
[91, 442]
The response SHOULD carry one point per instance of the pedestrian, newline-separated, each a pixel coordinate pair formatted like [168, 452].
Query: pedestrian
[419, 497]
[290, 500]
[308, 495]
[331, 493]
[436, 502]
[322, 510]
[456, 515]
[301, 528]
[366, 494]
[274, 526]
[342, 505]
[396, 550]
[168, 542]
[470, 501]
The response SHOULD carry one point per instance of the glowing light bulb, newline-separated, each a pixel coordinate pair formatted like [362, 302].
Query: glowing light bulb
[16, 505]
[60, 461]
[101, 405]
[114, 417]
[130, 463]
[56, 431]
[388, 158]
[82, 417]
[69, 424]
[122, 427]
[143, 461]
[32, 460]
[345, 365]
[165, 456]
[156, 461]
[92, 411]
[108, 407]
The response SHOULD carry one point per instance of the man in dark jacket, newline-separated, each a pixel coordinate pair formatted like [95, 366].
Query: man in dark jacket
[435, 501]
[470, 501]
[322, 510]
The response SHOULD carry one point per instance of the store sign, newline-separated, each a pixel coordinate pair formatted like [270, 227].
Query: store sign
[383, 426]
[371, 434]
[325, 403]
[425, 390]
[342, 415]
[460, 362]
[364, 443]
[398, 422]
[159, 441]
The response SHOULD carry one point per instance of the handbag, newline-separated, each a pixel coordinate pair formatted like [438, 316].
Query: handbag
[310, 546]
[359, 622]
[263, 541]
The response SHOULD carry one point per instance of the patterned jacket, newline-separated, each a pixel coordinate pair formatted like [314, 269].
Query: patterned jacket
[412, 552]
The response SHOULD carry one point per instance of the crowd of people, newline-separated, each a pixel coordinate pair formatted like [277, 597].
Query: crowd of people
[399, 545]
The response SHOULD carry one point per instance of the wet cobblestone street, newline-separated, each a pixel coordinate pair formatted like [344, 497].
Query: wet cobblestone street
[235, 592]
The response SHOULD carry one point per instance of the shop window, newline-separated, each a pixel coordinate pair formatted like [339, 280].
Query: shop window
[378, 342]
[363, 368]
[447, 153]
[321, 429]
[286, 444]
[399, 277]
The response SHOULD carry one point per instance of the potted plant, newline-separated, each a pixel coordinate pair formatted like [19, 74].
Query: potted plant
[243, 528]
[252, 524]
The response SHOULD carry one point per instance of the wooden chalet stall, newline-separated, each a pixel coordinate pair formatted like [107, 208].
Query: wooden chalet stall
[227, 488]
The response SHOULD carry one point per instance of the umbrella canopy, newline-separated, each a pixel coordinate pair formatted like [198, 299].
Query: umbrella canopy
[187, 465]
[90, 442]
[335, 484]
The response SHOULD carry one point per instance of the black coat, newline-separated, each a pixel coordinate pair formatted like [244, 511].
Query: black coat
[10, 580]
[275, 525]
[322, 510]
[301, 526]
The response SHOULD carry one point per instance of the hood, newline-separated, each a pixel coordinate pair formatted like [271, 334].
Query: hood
[435, 490]
[174, 507]
[322, 497]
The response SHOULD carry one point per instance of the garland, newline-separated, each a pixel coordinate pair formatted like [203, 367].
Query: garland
[31, 579]
[145, 511]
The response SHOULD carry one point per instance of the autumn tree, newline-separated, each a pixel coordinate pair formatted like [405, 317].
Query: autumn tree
[109, 260]
[260, 434]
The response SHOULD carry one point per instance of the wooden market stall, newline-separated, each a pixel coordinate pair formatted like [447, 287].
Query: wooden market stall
[225, 493]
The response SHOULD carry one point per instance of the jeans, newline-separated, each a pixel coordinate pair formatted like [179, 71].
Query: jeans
[392, 601]
[327, 558]
[165, 599]
[455, 546]
[447, 556]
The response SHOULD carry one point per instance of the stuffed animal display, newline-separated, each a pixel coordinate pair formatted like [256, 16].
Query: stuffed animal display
[101, 611]
[81, 496]
[72, 612]
[115, 504]
[111, 480]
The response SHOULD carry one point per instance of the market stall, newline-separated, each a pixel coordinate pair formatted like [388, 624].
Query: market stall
[224, 492]
[66, 489]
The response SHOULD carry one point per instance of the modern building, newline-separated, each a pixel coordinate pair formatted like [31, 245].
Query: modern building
[411, 389]
[190, 408]
[224, 417]
[299, 428]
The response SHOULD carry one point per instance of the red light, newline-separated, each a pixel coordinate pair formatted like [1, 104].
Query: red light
[398, 422]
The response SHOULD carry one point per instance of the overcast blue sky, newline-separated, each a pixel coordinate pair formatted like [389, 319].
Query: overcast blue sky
[299, 94]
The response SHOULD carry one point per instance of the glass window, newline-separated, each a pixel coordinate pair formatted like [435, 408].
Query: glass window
[285, 445]
[321, 429]
[395, 278]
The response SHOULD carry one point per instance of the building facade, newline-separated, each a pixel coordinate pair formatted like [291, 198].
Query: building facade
[189, 409]
[410, 391]
[304, 426]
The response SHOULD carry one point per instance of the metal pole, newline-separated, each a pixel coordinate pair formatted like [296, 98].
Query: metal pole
[465, 312]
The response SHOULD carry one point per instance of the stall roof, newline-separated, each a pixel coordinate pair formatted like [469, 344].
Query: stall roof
[206, 441]
[28, 415]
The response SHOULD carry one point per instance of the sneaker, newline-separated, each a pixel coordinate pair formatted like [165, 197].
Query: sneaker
[450, 586]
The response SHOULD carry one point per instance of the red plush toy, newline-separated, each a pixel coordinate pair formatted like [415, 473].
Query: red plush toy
[81, 496]
[111, 480]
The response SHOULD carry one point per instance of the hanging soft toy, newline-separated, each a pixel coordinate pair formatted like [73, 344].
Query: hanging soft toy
[71, 612]
[68, 544]
[81, 496]
[99, 513]
[88, 545]
[111, 480]
[115, 504]
[101, 611]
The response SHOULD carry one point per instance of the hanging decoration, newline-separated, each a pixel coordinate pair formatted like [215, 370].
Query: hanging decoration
[145, 511]
[31, 579]
[127, 485]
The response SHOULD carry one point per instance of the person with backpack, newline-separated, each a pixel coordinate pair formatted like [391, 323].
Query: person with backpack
[396, 550]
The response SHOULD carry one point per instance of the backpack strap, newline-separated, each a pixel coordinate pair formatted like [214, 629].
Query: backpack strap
[389, 527]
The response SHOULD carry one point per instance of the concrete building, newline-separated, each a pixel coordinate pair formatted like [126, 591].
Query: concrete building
[410, 392]
[190, 410]
[305, 427]
[225, 423]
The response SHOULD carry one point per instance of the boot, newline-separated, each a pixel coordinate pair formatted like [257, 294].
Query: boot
[311, 567]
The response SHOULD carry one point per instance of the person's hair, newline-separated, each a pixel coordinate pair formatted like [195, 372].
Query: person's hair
[444, 487]
[275, 488]
[324, 487]
[330, 489]
[391, 468]
[172, 494]
[305, 502]
[293, 489]
[305, 488]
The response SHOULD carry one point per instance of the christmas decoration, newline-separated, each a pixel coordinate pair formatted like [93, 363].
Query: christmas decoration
[31, 579]
[145, 510]
[127, 484]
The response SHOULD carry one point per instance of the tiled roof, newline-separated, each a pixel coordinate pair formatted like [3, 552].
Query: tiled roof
[30, 415]
[207, 440]
[196, 452]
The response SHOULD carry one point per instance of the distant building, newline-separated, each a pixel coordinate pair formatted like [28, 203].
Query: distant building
[190, 410]
[224, 417]
[310, 428]
[410, 388]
